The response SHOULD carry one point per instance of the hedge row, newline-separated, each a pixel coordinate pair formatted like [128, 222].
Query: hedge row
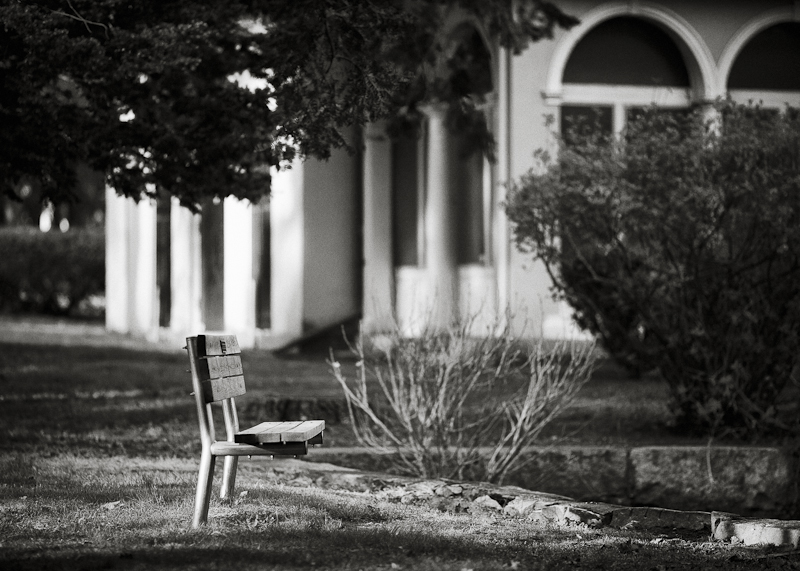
[50, 272]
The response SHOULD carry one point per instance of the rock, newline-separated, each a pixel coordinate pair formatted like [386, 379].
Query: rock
[486, 502]
[447, 491]
[520, 506]
[569, 514]
[471, 492]
[729, 527]
[553, 513]
[425, 488]
[593, 515]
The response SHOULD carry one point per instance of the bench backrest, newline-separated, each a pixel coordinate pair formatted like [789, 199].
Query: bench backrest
[219, 366]
[216, 366]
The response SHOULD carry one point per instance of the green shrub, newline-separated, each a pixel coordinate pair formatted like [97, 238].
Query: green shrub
[678, 245]
[449, 404]
[50, 272]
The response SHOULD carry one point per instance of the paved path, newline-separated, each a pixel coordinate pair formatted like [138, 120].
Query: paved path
[53, 331]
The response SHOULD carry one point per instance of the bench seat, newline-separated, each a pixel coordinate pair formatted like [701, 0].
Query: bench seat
[271, 432]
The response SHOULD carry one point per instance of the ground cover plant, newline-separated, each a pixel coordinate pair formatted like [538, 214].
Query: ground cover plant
[677, 245]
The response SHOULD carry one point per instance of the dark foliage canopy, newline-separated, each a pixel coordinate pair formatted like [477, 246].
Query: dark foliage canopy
[146, 91]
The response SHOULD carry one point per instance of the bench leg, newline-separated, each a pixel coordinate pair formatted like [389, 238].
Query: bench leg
[228, 476]
[203, 494]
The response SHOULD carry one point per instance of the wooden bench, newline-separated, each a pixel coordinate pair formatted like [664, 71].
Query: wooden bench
[217, 376]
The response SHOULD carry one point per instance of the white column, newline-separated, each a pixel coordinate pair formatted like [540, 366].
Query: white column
[287, 252]
[144, 308]
[619, 119]
[240, 284]
[185, 271]
[116, 262]
[500, 227]
[378, 263]
[441, 255]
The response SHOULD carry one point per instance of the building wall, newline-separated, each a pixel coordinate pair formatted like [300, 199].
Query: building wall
[332, 234]
[707, 33]
[331, 250]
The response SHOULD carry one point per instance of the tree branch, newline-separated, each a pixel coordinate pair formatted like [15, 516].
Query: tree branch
[80, 18]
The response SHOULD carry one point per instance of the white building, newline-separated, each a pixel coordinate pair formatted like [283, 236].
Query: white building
[409, 228]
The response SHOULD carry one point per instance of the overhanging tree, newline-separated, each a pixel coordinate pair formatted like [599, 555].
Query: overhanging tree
[146, 92]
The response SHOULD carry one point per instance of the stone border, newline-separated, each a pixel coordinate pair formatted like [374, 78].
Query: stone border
[751, 531]
[751, 481]
[552, 509]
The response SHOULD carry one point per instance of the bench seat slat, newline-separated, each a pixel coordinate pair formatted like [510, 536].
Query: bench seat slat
[304, 431]
[267, 432]
[263, 433]
[219, 389]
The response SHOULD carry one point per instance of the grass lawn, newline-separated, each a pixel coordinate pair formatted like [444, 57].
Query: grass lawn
[128, 400]
[125, 512]
[98, 462]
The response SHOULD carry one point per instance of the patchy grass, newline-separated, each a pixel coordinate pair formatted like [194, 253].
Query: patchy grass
[98, 459]
[128, 401]
[138, 401]
[70, 512]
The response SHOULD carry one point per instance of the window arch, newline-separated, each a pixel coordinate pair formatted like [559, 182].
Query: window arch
[699, 61]
[622, 64]
[627, 51]
[766, 66]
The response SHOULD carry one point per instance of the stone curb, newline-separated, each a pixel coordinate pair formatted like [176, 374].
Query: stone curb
[552, 509]
[752, 531]
[748, 480]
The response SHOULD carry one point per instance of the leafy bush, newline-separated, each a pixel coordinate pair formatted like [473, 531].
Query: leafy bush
[437, 401]
[50, 272]
[678, 245]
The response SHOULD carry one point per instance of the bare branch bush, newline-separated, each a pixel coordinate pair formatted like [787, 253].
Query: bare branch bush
[449, 404]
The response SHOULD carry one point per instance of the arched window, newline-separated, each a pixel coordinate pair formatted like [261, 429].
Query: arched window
[620, 66]
[767, 69]
[627, 51]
